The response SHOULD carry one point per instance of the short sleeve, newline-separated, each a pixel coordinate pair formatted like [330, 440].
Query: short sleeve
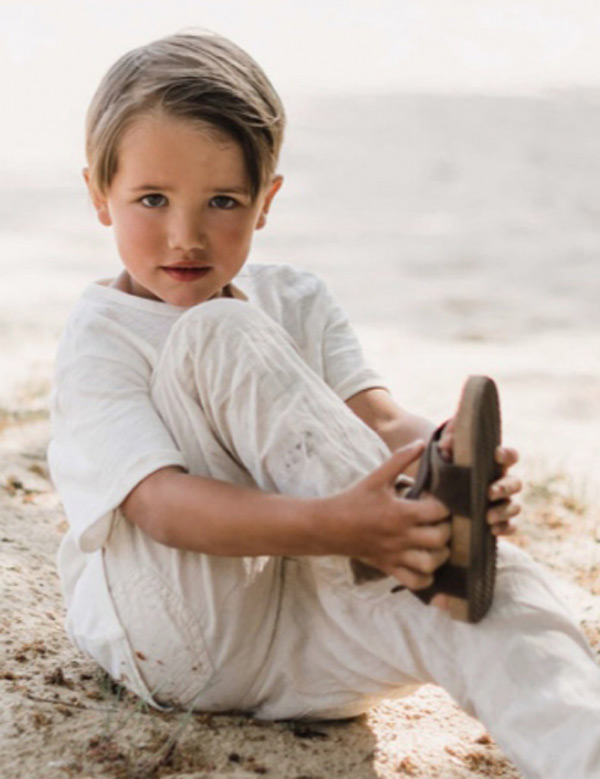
[301, 303]
[106, 434]
[344, 366]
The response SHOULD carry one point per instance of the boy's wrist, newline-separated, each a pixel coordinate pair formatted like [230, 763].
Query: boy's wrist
[322, 526]
[308, 526]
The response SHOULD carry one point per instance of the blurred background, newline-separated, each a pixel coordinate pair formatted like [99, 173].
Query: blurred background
[441, 170]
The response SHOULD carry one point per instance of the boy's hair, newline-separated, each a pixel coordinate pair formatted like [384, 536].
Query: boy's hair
[197, 76]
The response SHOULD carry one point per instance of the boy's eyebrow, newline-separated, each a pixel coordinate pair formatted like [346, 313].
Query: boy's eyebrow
[144, 187]
[239, 190]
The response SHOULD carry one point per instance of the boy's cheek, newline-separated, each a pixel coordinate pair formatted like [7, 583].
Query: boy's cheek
[237, 238]
[135, 232]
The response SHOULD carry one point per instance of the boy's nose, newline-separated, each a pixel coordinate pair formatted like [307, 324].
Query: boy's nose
[186, 232]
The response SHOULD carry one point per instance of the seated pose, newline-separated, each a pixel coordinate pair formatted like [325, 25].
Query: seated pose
[232, 470]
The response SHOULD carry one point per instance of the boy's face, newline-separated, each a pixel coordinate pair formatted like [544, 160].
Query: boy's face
[181, 210]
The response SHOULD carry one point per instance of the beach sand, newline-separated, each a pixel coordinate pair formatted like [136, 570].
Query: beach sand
[465, 241]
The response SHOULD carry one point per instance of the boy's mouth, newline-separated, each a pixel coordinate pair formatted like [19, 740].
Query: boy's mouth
[186, 272]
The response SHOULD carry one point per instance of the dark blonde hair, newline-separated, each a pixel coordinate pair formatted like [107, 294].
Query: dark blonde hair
[197, 76]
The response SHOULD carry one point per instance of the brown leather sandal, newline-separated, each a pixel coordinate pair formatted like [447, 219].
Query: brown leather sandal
[469, 575]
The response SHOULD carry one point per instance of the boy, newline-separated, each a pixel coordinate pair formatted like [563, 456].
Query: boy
[223, 454]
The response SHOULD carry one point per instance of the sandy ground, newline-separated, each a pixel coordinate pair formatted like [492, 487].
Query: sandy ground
[481, 216]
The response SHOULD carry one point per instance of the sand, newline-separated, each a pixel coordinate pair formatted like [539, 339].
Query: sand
[530, 321]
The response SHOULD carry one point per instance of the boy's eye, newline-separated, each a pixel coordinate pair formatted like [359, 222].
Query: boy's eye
[153, 201]
[223, 202]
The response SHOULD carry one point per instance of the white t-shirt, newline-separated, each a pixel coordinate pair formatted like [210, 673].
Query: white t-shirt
[107, 435]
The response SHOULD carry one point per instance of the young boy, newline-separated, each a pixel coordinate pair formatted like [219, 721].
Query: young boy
[223, 454]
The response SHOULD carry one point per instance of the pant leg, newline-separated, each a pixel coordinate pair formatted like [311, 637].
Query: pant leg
[525, 671]
[265, 413]
[242, 404]
[265, 417]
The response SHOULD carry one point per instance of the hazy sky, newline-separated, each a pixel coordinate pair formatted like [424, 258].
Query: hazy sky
[52, 52]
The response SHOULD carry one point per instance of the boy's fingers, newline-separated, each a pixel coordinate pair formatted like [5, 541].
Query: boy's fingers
[506, 456]
[431, 536]
[503, 513]
[446, 445]
[424, 562]
[396, 464]
[425, 511]
[412, 580]
[505, 529]
[418, 567]
[450, 425]
[504, 488]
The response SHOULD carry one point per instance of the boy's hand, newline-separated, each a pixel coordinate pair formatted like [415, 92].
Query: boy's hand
[502, 491]
[406, 539]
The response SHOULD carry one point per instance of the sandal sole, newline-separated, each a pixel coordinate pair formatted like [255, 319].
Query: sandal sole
[473, 546]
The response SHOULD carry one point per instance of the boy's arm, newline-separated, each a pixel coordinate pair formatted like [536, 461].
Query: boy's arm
[394, 425]
[366, 521]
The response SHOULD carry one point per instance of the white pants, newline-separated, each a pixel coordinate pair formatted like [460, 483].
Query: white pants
[294, 637]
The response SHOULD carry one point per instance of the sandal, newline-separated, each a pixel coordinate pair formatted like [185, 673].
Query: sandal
[469, 575]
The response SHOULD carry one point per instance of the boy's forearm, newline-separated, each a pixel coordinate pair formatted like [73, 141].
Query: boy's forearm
[214, 517]
[400, 432]
[394, 425]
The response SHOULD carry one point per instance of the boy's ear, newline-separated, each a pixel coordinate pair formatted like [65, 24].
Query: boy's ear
[268, 198]
[99, 201]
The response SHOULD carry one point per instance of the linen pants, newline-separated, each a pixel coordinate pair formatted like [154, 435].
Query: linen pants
[295, 637]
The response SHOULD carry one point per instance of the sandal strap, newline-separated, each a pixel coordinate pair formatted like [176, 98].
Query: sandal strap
[448, 482]
[449, 579]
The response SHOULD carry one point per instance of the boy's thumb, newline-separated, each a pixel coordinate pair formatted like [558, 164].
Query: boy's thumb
[398, 462]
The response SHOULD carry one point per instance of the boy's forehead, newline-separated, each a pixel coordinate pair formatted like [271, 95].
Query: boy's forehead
[164, 131]
[163, 148]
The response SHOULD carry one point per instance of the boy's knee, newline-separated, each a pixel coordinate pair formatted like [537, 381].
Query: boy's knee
[219, 328]
[224, 318]
[211, 341]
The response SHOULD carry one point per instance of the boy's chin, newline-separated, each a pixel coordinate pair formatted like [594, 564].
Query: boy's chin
[186, 298]
[182, 296]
